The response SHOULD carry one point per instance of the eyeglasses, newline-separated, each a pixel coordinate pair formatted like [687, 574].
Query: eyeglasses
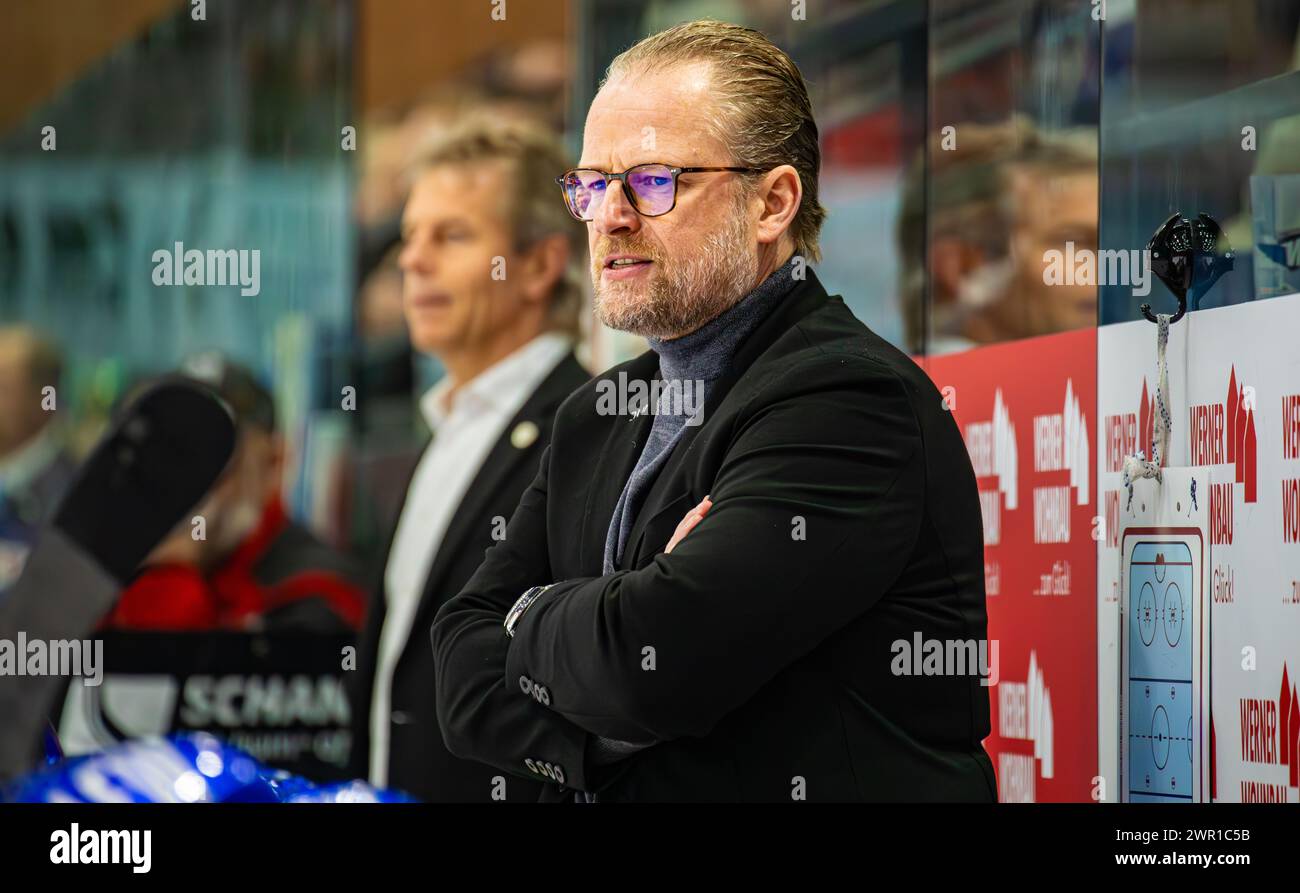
[651, 189]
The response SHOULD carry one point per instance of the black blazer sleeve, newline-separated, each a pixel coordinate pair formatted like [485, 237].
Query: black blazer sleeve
[817, 506]
[483, 715]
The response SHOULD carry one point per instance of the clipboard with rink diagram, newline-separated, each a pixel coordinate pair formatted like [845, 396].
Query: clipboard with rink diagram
[1165, 641]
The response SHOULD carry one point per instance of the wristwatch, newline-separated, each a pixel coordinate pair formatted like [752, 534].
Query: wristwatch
[521, 605]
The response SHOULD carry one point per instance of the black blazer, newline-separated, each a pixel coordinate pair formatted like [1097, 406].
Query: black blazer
[418, 761]
[761, 653]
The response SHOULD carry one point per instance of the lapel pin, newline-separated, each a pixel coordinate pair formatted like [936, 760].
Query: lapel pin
[524, 435]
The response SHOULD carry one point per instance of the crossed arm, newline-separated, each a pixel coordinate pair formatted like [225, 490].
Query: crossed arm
[813, 514]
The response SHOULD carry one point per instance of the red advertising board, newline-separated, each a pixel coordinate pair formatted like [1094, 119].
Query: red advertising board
[1028, 412]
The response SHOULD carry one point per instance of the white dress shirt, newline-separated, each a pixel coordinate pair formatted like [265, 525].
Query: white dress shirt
[465, 427]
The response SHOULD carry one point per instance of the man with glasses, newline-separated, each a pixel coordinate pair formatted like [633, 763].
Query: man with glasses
[708, 599]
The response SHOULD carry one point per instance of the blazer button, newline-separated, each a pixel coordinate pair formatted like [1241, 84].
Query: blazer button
[525, 685]
[400, 717]
[553, 771]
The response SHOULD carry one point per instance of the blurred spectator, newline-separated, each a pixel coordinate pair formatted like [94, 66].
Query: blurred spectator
[379, 304]
[1051, 203]
[34, 466]
[387, 435]
[385, 356]
[253, 567]
[394, 138]
[1001, 198]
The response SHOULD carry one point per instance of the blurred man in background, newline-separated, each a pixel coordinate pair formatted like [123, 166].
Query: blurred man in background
[997, 201]
[239, 562]
[34, 467]
[492, 270]
[1051, 203]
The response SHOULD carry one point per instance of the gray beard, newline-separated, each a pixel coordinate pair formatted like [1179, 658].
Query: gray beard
[688, 294]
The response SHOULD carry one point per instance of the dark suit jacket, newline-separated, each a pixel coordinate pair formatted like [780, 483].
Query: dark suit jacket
[418, 761]
[761, 653]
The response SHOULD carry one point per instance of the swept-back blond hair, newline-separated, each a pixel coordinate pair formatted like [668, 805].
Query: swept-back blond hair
[764, 114]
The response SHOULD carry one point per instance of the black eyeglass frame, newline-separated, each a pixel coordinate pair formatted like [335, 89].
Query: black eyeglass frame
[630, 194]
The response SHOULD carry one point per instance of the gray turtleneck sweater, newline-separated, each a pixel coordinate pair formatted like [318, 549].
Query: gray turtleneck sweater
[703, 355]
